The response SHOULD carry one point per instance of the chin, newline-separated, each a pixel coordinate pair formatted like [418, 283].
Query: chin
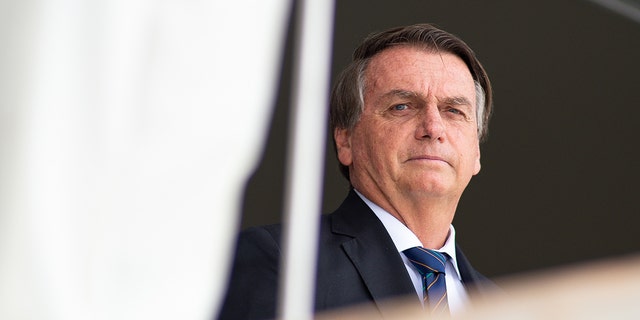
[430, 188]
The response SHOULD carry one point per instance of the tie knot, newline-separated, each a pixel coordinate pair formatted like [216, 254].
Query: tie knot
[426, 261]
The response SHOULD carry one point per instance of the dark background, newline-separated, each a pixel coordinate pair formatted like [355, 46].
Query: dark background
[560, 168]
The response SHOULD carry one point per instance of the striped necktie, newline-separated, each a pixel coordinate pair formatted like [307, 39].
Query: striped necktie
[431, 265]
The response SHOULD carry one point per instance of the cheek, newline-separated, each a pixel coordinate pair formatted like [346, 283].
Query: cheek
[474, 158]
[361, 152]
[384, 152]
[468, 150]
[376, 145]
[368, 151]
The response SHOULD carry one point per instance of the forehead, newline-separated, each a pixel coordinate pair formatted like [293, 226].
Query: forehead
[419, 70]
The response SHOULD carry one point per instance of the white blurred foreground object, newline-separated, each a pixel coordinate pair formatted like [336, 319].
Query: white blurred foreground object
[127, 131]
[593, 291]
[305, 163]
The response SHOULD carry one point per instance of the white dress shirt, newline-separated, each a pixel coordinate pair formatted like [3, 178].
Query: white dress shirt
[403, 238]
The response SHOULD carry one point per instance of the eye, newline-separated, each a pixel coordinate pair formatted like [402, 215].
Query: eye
[400, 107]
[455, 111]
[458, 113]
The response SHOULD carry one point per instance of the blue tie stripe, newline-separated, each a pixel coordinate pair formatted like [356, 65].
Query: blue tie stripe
[431, 265]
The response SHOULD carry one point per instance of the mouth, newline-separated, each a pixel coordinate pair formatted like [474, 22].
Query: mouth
[427, 159]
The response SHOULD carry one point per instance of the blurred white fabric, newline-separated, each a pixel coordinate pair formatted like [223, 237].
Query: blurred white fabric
[127, 131]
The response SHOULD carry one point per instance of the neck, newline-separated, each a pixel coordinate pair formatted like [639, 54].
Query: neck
[427, 217]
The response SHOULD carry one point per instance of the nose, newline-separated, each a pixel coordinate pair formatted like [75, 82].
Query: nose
[430, 124]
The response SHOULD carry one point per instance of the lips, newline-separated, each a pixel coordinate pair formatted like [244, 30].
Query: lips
[427, 158]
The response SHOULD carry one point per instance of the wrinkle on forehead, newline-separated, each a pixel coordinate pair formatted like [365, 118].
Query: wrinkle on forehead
[398, 74]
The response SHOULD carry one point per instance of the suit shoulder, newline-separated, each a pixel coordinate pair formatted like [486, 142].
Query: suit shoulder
[259, 243]
[262, 232]
[254, 275]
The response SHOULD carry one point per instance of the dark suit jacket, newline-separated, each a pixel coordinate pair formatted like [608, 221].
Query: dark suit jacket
[357, 264]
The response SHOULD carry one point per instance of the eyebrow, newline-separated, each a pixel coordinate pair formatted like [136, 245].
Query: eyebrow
[401, 93]
[456, 100]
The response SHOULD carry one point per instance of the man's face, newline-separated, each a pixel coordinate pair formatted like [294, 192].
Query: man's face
[417, 135]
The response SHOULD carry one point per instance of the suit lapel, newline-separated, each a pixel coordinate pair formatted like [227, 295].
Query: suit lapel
[372, 252]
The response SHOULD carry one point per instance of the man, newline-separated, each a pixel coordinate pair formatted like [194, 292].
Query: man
[407, 117]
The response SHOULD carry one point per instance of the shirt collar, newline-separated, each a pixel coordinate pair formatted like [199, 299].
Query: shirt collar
[404, 238]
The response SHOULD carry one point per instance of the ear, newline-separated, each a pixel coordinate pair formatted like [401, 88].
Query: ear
[343, 146]
[476, 168]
